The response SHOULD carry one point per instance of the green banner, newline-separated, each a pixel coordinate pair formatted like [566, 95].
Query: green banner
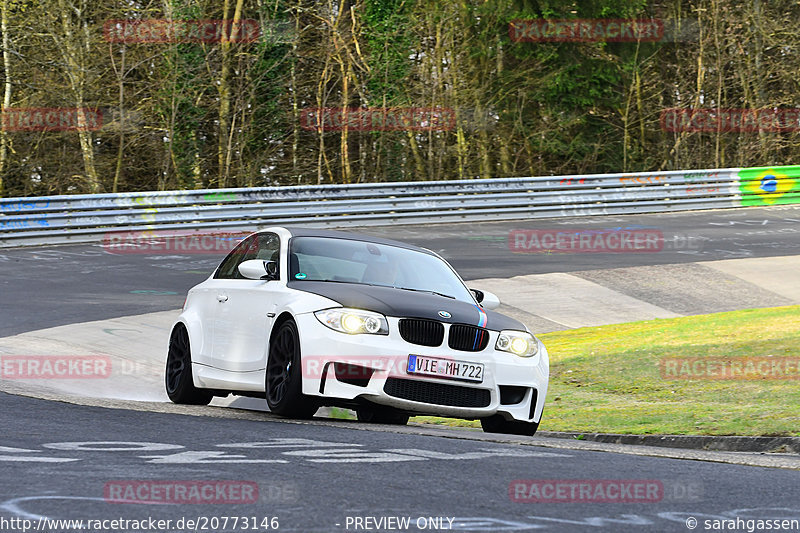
[770, 185]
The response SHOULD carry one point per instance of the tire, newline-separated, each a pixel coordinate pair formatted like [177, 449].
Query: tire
[284, 389]
[381, 415]
[178, 379]
[498, 424]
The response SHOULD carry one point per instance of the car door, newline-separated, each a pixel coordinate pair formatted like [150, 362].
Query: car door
[245, 311]
[207, 297]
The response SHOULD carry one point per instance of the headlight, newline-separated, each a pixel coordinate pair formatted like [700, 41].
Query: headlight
[519, 343]
[353, 321]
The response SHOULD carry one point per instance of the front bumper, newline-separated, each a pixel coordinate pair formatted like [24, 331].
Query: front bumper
[373, 368]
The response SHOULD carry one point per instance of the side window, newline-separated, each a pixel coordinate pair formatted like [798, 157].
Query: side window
[245, 250]
[262, 246]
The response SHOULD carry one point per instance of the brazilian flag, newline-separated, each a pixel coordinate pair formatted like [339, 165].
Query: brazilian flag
[770, 185]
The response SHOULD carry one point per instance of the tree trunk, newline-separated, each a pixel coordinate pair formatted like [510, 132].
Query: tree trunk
[75, 64]
[225, 131]
[121, 104]
[6, 89]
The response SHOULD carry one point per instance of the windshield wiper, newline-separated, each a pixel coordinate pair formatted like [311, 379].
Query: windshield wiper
[428, 291]
[349, 282]
[385, 286]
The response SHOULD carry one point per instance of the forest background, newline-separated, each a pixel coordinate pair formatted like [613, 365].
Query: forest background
[157, 113]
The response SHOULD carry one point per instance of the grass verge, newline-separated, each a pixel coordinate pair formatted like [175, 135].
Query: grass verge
[610, 379]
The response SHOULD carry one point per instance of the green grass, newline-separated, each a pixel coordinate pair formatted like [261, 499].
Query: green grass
[607, 379]
[341, 414]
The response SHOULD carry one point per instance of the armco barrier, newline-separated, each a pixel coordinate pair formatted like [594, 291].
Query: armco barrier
[87, 218]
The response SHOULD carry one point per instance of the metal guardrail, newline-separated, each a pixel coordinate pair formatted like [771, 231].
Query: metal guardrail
[88, 218]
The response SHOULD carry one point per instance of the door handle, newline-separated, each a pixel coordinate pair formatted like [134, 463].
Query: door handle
[222, 297]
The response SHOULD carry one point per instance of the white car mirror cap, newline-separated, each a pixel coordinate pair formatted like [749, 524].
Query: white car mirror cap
[254, 269]
[490, 300]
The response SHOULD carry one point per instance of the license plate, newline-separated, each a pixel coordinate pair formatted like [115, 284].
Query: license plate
[445, 368]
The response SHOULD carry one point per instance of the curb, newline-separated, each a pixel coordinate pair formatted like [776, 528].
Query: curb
[653, 446]
[694, 442]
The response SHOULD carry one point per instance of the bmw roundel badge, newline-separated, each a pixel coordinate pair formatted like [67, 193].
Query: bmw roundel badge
[444, 314]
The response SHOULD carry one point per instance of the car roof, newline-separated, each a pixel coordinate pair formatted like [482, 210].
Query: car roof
[332, 234]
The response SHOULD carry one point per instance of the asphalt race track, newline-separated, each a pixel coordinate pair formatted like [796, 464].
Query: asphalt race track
[51, 286]
[62, 460]
[314, 477]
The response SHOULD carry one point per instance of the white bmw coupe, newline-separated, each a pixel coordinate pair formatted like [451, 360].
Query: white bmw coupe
[310, 318]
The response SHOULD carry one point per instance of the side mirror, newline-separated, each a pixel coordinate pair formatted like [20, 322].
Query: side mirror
[272, 269]
[487, 299]
[259, 269]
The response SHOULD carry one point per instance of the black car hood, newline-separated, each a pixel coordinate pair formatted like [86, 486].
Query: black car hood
[404, 303]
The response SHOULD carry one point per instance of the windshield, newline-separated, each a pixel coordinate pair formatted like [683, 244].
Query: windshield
[350, 261]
